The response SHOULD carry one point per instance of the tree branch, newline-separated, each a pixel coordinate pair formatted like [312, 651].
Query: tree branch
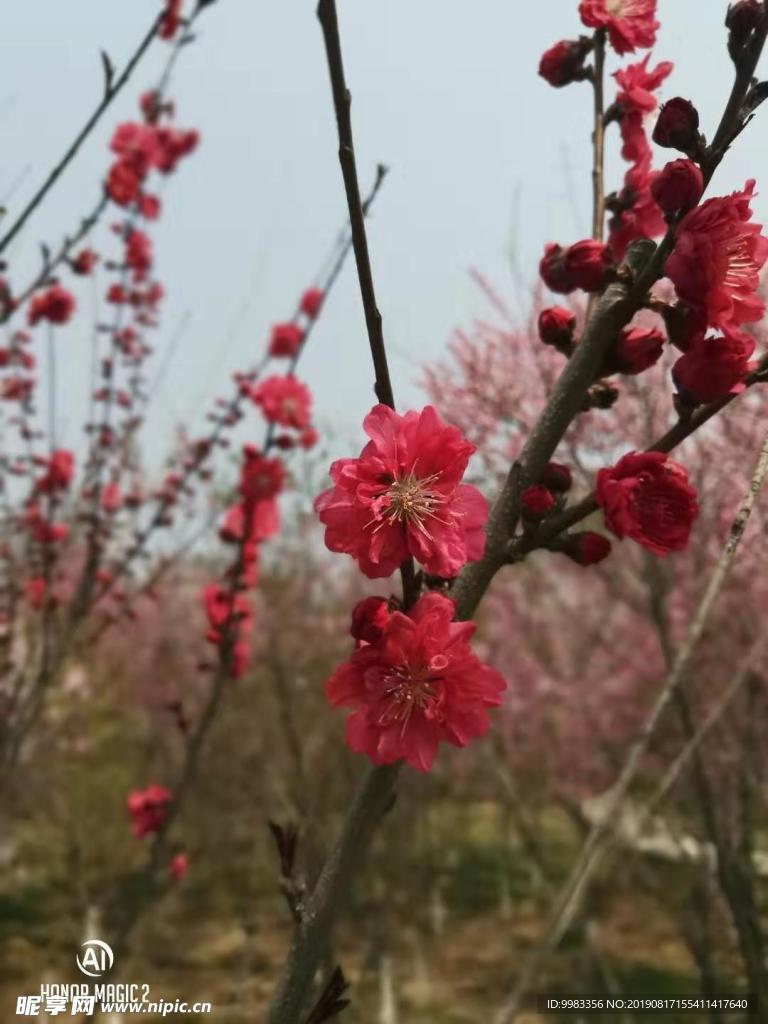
[111, 90]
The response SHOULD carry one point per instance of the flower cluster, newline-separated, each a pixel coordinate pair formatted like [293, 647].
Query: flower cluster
[141, 147]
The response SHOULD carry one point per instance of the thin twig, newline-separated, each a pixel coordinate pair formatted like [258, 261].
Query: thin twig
[111, 90]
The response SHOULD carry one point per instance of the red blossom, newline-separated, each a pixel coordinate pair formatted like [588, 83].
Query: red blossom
[169, 23]
[713, 366]
[563, 63]
[110, 499]
[537, 501]
[225, 610]
[34, 592]
[677, 126]
[250, 522]
[123, 183]
[311, 301]
[58, 472]
[369, 617]
[148, 809]
[631, 24]
[585, 265]
[260, 477]
[308, 438]
[138, 253]
[640, 217]
[285, 340]
[637, 349]
[716, 262]
[586, 548]
[55, 304]
[678, 186]
[418, 684]
[403, 496]
[84, 262]
[557, 326]
[284, 400]
[647, 496]
[634, 101]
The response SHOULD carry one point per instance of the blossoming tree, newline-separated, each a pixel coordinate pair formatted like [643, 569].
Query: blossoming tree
[657, 338]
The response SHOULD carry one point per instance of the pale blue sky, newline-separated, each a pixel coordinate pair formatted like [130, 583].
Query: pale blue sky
[487, 163]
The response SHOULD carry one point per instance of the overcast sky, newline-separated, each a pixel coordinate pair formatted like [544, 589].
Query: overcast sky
[487, 164]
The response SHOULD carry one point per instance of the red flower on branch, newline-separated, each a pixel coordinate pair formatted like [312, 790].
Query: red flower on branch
[311, 301]
[55, 304]
[59, 469]
[285, 340]
[284, 400]
[631, 24]
[637, 350]
[585, 264]
[403, 496]
[417, 685]
[647, 497]
[563, 63]
[715, 266]
[713, 367]
[678, 186]
[148, 809]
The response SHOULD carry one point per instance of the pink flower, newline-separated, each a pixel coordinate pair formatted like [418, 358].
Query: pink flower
[646, 496]
[403, 496]
[260, 477]
[715, 266]
[148, 809]
[286, 340]
[634, 100]
[713, 367]
[630, 23]
[417, 685]
[284, 400]
[55, 304]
